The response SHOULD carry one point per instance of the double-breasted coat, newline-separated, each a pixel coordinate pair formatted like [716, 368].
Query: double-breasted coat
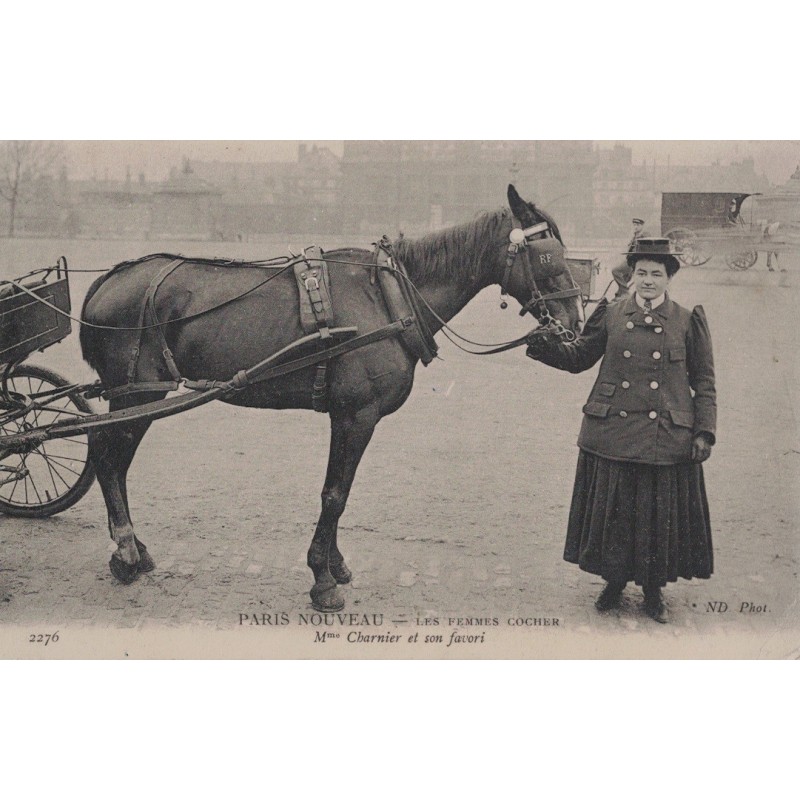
[655, 389]
[639, 509]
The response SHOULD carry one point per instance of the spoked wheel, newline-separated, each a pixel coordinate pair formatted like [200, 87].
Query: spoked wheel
[55, 475]
[743, 260]
[686, 244]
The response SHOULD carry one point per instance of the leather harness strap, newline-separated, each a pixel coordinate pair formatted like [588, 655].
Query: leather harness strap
[402, 303]
[263, 371]
[139, 388]
[317, 319]
[316, 308]
[149, 304]
[519, 242]
[316, 314]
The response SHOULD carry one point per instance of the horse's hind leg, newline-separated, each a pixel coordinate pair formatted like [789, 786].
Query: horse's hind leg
[113, 448]
[349, 439]
[146, 563]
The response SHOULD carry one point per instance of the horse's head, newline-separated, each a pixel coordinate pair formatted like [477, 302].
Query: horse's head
[536, 272]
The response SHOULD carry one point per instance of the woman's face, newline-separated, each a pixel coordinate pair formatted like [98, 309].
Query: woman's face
[650, 279]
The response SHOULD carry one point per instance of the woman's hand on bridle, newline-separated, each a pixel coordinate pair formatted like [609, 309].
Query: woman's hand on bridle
[540, 340]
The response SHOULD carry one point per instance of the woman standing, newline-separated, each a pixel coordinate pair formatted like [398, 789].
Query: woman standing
[639, 510]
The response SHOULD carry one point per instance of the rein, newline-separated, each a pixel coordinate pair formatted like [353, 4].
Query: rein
[448, 331]
[280, 270]
[519, 241]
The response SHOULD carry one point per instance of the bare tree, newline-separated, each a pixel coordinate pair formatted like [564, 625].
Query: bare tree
[21, 164]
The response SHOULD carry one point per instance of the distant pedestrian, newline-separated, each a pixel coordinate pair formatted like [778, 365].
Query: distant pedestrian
[732, 216]
[639, 510]
[622, 272]
[768, 231]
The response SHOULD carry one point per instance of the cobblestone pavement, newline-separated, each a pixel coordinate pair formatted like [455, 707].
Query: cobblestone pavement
[458, 510]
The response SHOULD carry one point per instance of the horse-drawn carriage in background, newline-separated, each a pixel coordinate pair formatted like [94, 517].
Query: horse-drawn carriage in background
[704, 225]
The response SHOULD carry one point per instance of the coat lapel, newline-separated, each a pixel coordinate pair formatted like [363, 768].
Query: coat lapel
[666, 309]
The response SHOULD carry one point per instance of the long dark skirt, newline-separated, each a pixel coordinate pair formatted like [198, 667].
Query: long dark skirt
[639, 522]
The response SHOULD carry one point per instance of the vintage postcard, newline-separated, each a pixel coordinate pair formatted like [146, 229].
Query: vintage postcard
[282, 399]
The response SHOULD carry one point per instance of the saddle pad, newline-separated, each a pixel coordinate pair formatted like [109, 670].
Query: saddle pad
[313, 284]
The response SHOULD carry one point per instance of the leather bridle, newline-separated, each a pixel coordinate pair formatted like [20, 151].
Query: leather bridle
[520, 241]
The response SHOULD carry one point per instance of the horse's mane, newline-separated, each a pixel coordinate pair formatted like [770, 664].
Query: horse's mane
[468, 247]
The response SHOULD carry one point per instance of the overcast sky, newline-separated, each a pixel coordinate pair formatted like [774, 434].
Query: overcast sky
[776, 159]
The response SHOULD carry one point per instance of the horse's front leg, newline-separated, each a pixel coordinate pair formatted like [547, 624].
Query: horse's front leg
[340, 571]
[350, 436]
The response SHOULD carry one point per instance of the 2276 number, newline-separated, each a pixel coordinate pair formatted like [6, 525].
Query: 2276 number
[43, 638]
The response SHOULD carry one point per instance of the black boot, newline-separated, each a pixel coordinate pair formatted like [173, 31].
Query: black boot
[654, 605]
[610, 596]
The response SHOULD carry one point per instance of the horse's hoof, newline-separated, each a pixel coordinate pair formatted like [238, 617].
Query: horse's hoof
[124, 573]
[340, 572]
[328, 599]
[146, 563]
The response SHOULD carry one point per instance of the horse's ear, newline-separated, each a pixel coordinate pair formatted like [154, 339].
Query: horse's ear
[518, 206]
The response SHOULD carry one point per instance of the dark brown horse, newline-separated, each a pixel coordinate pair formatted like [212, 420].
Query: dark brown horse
[448, 268]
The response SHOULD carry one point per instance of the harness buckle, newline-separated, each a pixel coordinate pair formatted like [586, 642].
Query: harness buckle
[239, 381]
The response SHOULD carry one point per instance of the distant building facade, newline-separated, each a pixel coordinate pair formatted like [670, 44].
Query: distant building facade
[379, 187]
[622, 190]
[417, 186]
[258, 199]
[782, 204]
[43, 208]
[185, 207]
[111, 209]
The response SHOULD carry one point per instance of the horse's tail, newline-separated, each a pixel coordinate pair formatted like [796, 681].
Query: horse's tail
[90, 338]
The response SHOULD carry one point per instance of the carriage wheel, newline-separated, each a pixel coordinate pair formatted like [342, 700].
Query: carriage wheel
[743, 260]
[685, 241]
[59, 471]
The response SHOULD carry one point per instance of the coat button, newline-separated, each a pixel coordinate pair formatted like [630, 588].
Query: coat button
[623, 413]
[629, 325]
[626, 384]
[654, 384]
[656, 355]
[627, 353]
[659, 329]
[648, 320]
[653, 414]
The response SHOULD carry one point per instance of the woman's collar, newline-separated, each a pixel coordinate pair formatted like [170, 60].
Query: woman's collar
[655, 303]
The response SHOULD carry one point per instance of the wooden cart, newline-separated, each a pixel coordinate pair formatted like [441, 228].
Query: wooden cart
[47, 477]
